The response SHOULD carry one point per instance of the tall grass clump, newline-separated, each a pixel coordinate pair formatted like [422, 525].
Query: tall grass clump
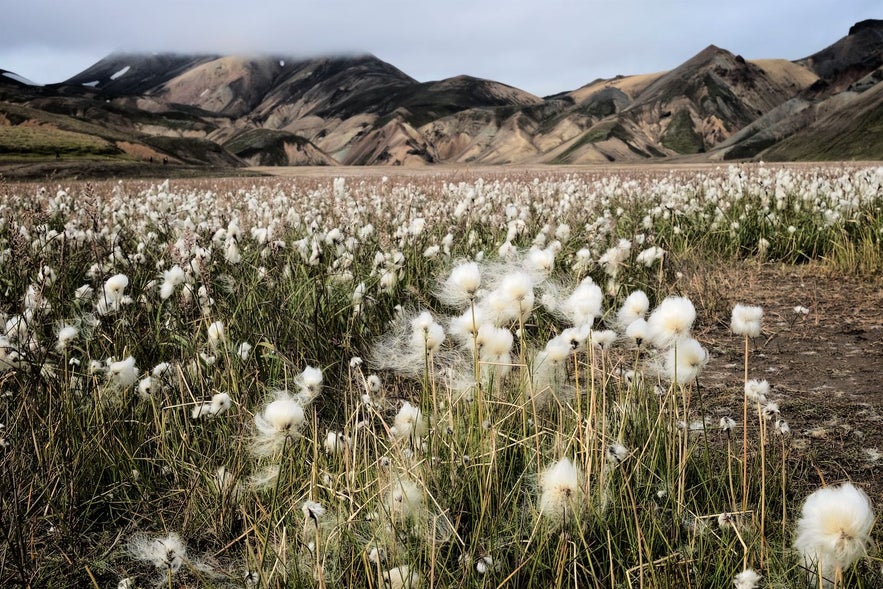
[309, 384]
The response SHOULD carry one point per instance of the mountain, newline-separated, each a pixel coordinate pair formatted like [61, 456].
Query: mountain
[849, 59]
[235, 110]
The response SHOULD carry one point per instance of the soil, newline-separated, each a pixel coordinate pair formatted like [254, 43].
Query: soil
[825, 368]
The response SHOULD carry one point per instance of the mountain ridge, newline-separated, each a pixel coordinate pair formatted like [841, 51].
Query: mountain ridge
[359, 110]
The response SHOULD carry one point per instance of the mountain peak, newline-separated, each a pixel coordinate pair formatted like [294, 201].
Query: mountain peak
[871, 24]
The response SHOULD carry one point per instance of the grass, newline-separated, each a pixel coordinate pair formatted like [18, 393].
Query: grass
[35, 141]
[680, 134]
[87, 468]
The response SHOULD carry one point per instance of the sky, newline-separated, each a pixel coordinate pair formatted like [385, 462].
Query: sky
[543, 46]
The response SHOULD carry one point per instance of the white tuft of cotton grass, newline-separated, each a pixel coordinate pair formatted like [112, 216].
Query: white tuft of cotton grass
[747, 579]
[583, 305]
[309, 384]
[66, 334]
[409, 423]
[402, 577]
[166, 553]
[757, 390]
[460, 289]
[280, 420]
[217, 335]
[685, 361]
[404, 500]
[123, 374]
[634, 307]
[834, 529]
[426, 335]
[561, 497]
[746, 320]
[671, 321]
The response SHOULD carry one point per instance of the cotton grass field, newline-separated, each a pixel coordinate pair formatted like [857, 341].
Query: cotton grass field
[422, 381]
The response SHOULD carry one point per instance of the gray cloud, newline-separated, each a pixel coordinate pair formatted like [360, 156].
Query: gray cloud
[542, 47]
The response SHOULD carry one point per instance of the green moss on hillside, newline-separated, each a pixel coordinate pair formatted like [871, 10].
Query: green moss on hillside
[44, 141]
[681, 135]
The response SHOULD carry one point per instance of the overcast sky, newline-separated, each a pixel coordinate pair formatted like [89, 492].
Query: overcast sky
[544, 46]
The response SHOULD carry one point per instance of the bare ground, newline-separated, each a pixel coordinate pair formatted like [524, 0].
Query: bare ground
[825, 368]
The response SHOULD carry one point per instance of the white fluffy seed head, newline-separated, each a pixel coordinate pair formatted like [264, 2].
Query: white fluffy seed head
[335, 443]
[426, 335]
[584, 304]
[633, 308]
[561, 486]
[409, 422]
[66, 335]
[282, 416]
[671, 321]
[461, 286]
[310, 384]
[220, 403]
[638, 331]
[604, 339]
[123, 374]
[167, 553]
[540, 261]
[747, 579]
[685, 360]
[834, 528]
[757, 390]
[115, 285]
[493, 341]
[216, 334]
[404, 500]
[746, 320]
[402, 578]
[558, 349]
[464, 326]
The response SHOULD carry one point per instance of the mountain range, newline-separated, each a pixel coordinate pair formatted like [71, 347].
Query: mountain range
[231, 111]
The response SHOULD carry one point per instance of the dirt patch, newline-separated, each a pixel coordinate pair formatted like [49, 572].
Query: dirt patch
[825, 366]
[139, 151]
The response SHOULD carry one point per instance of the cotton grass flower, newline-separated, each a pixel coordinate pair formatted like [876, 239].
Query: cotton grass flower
[335, 443]
[219, 403]
[834, 530]
[123, 374]
[671, 321]
[404, 500]
[217, 335]
[747, 579]
[65, 336]
[309, 383]
[684, 362]
[171, 279]
[634, 307]
[167, 553]
[279, 421]
[746, 320]
[426, 334]
[757, 390]
[637, 332]
[583, 305]
[561, 497]
[402, 577]
[113, 294]
[460, 288]
[409, 423]
[243, 350]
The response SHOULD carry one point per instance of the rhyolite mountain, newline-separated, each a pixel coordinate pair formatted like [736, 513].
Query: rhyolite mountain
[358, 110]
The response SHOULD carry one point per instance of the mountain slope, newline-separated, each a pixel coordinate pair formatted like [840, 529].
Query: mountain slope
[849, 59]
[360, 110]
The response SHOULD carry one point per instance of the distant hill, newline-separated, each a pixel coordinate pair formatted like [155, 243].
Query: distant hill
[214, 110]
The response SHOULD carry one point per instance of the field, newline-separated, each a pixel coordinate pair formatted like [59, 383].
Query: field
[623, 377]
